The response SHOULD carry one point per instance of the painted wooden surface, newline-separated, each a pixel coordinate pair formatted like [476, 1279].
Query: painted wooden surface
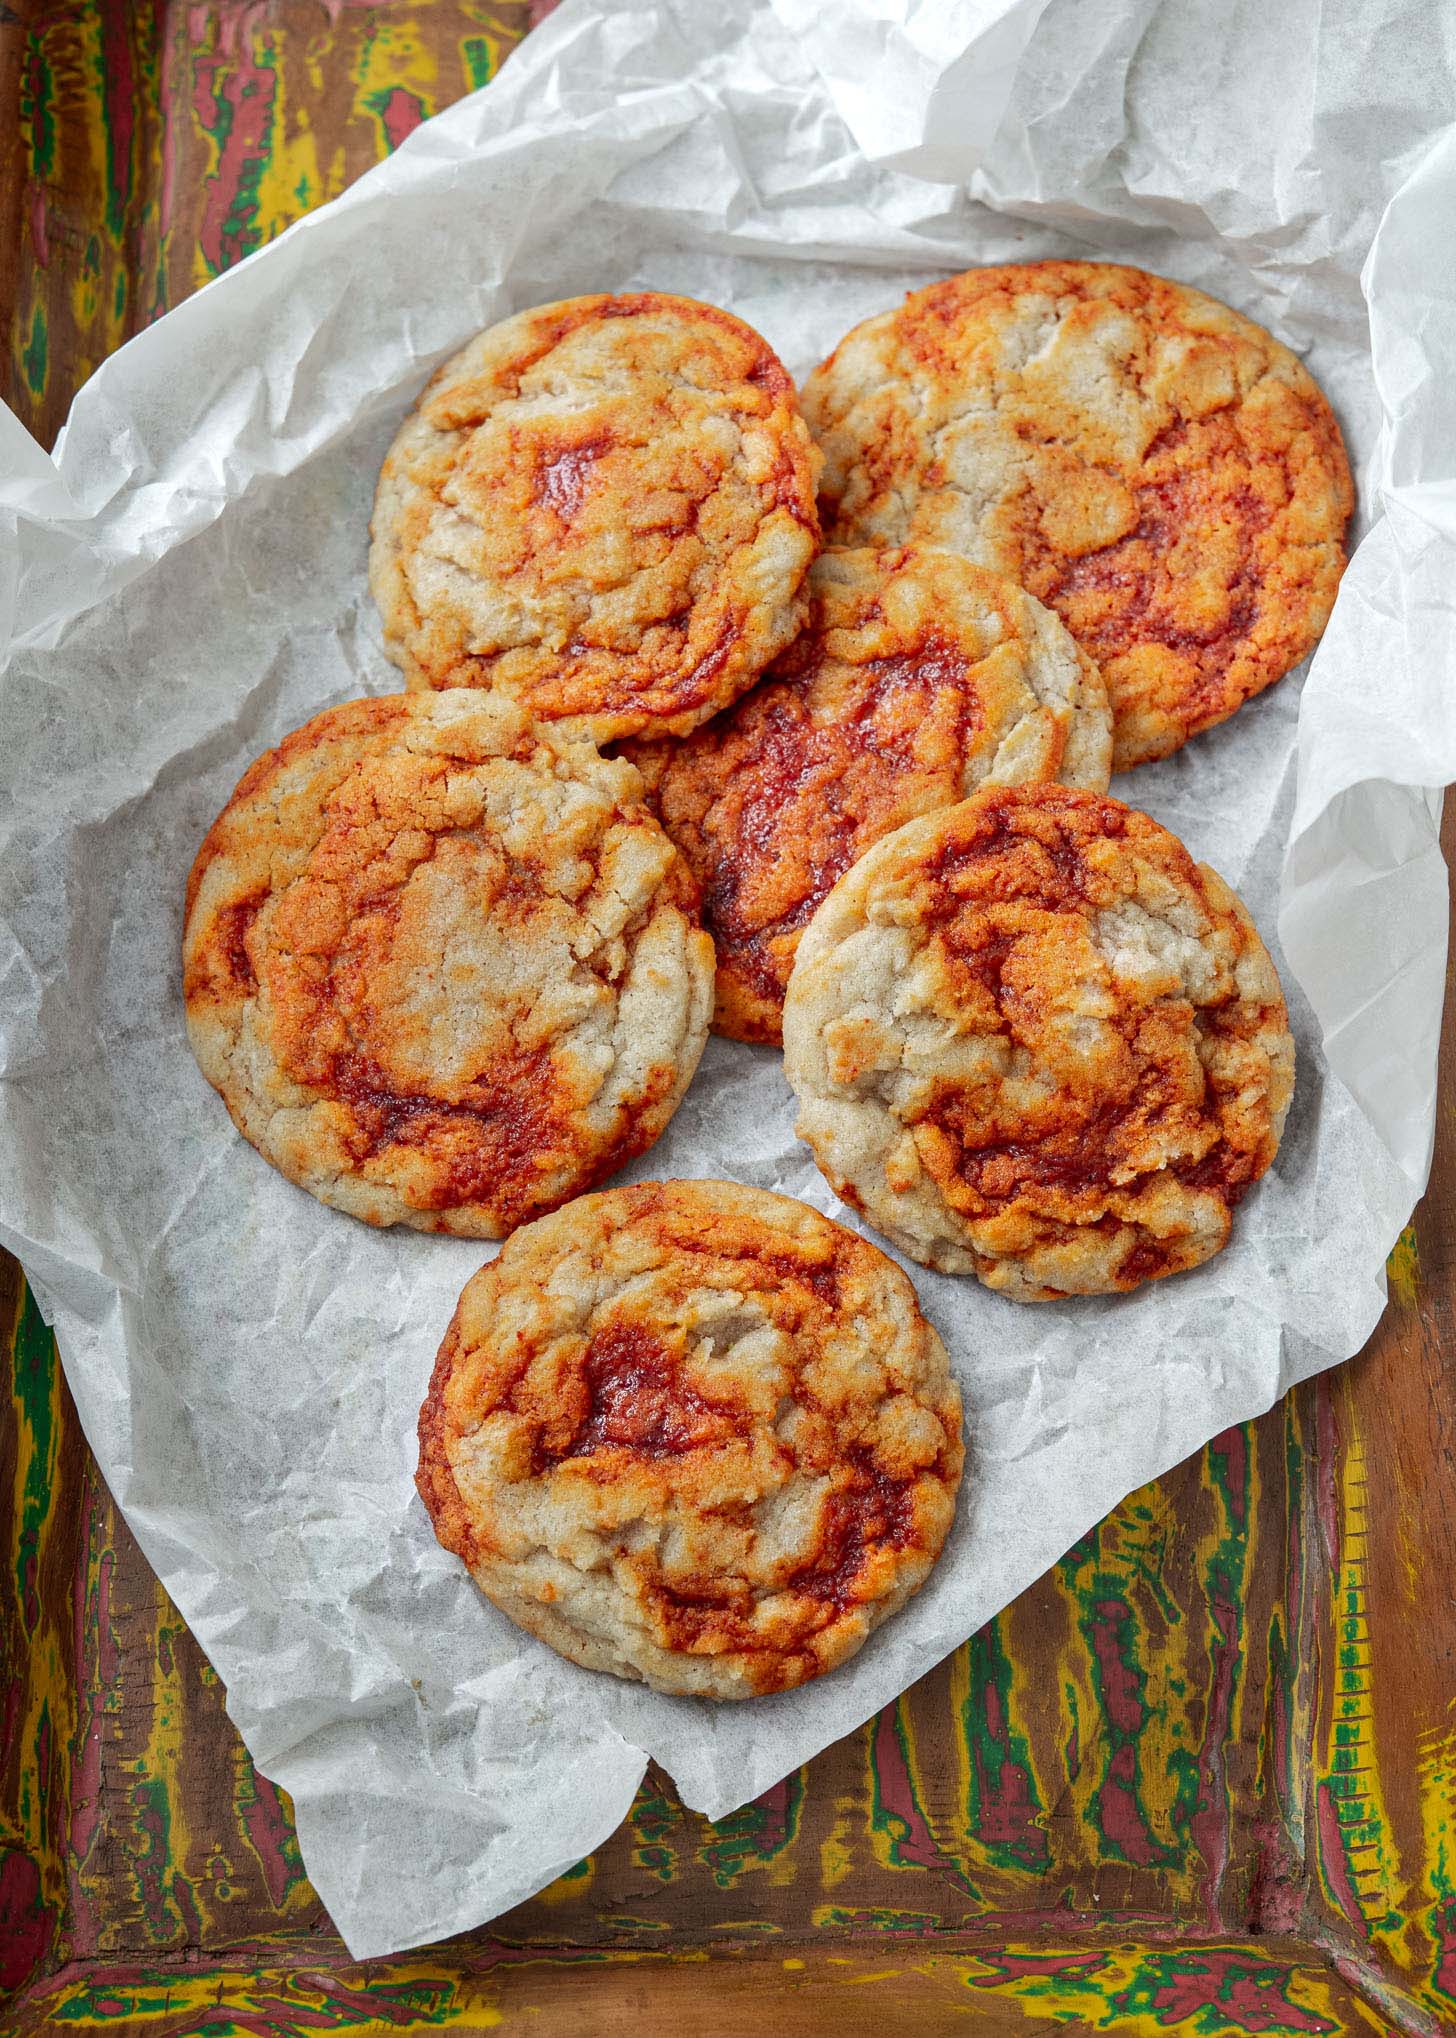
[1201, 1779]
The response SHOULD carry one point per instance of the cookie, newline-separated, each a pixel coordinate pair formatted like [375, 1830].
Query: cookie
[444, 969]
[604, 508]
[918, 678]
[1155, 467]
[694, 1434]
[1034, 1041]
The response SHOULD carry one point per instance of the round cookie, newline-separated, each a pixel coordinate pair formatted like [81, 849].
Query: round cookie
[695, 1434]
[603, 507]
[917, 678]
[1033, 1041]
[445, 970]
[1155, 467]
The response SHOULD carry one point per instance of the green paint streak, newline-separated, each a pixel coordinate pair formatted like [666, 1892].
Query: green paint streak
[745, 1839]
[479, 63]
[1223, 1576]
[917, 1924]
[652, 1819]
[38, 109]
[33, 1359]
[118, 194]
[100, 2003]
[239, 223]
[1001, 1778]
[1160, 1983]
[149, 1867]
[119, 296]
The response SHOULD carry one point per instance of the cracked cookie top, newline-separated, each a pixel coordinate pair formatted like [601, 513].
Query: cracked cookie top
[694, 1434]
[1032, 1040]
[917, 678]
[604, 508]
[445, 970]
[1154, 466]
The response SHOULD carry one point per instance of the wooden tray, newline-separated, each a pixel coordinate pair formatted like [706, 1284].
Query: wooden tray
[1200, 1779]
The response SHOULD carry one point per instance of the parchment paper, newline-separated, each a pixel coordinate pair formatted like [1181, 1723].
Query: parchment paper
[186, 582]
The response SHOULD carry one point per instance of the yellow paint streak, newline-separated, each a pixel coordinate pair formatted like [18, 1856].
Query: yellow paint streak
[836, 1857]
[1436, 1784]
[1403, 1269]
[46, 1687]
[567, 1887]
[793, 1966]
[396, 57]
[1371, 1857]
[529, 1995]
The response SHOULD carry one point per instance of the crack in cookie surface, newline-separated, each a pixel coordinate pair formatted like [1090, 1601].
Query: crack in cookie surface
[1152, 465]
[693, 1433]
[1032, 1040]
[444, 970]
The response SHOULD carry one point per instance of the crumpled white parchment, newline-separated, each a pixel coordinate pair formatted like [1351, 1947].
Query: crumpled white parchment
[186, 582]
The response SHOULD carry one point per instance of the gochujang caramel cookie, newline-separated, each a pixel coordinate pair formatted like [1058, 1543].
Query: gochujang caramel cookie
[1032, 1040]
[445, 970]
[1156, 467]
[694, 1434]
[918, 677]
[603, 507]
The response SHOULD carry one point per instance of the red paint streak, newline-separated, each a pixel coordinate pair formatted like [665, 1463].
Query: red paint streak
[1006, 1817]
[1245, 1996]
[1032, 1966]
[247, 89]
[118, 83]
[1332, 1855]
[400, 114]
[1325, 1469]
[897, 1794]
[774, 1805]
[1209, 1824]
[10, 1728]
[1118, 1810]
[25, 1923]
[268, 1832]
[38, 239]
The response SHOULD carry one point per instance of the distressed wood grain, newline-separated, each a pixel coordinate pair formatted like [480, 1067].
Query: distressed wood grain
[1201, 1778]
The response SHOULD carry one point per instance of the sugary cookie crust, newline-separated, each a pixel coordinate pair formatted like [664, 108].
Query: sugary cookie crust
[1032, 1040]
[444, 970]
[695, 1434]
[918, 677]
[603, 507]
[1155, 467]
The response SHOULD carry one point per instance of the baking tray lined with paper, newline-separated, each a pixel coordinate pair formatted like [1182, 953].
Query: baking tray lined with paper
[213, 599]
